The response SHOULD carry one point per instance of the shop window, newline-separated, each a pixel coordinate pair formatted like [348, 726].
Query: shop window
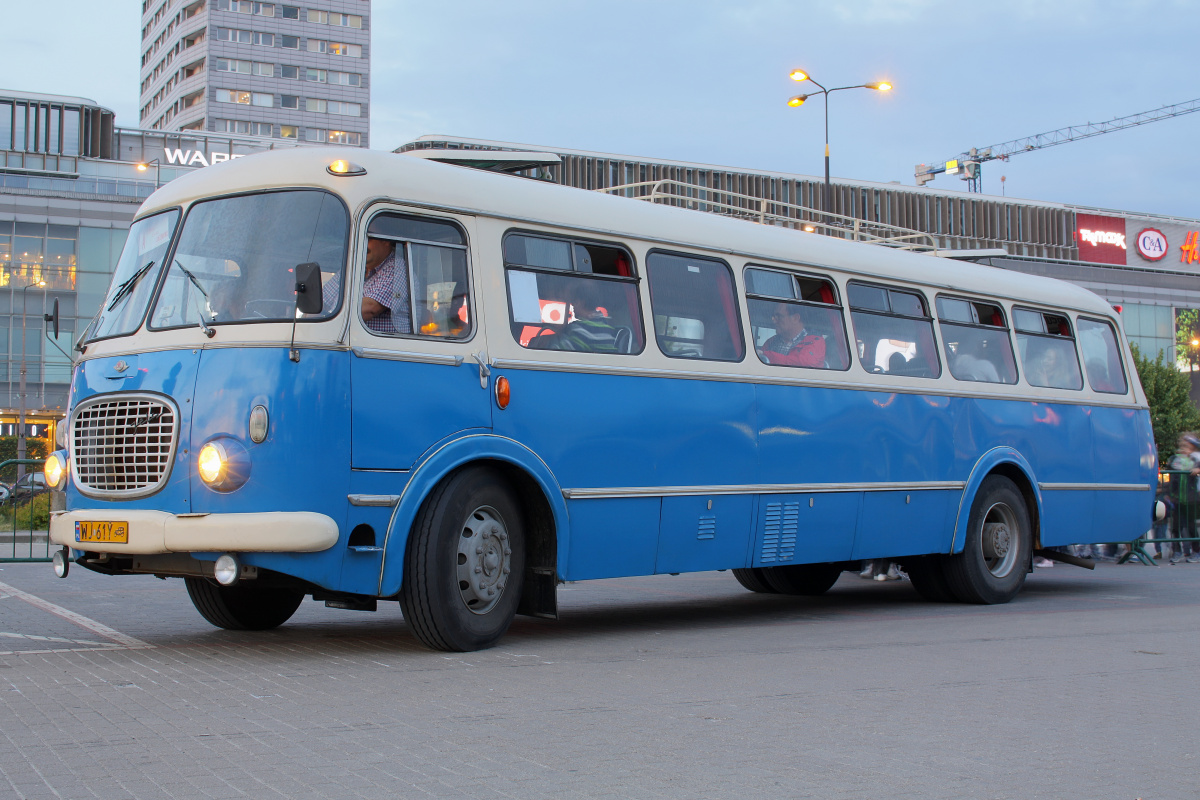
[976, 341]
[893, 331]
[795, 320]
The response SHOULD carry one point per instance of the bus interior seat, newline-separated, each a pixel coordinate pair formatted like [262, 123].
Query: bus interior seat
[623, 341]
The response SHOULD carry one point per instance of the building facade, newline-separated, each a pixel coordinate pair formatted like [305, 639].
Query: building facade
[70, 184]
[1147, 264]
[293, 72]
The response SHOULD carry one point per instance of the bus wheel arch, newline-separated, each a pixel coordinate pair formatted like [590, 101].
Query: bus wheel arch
[465, 561]
[998, 545]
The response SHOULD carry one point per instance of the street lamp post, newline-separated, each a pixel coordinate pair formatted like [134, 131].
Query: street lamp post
[24, 349]
[145, 165]
[798, 100]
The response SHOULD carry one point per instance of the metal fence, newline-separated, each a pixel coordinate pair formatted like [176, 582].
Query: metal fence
[1175, 536]
[24, 522]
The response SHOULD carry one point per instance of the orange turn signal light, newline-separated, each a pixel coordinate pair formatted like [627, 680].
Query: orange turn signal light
[503, 392]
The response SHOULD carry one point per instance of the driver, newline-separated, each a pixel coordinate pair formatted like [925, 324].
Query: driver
[385, 307]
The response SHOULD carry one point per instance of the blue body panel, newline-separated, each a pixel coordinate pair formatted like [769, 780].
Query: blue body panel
[341, 424]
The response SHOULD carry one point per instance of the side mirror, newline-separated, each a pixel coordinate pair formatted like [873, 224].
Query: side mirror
[52, 317]
[308, 288]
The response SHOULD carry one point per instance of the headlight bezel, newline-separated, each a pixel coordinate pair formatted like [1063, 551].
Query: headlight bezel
[223, 465]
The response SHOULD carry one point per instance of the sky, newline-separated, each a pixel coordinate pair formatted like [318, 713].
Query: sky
[706, 81]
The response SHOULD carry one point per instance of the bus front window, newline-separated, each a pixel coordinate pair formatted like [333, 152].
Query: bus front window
[237, 257]
[133, 281]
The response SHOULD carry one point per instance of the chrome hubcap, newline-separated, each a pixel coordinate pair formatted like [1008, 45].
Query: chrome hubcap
[998, 540]
[484, 560]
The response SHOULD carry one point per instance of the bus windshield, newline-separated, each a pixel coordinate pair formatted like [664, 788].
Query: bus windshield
[237, 256]
[133, 281]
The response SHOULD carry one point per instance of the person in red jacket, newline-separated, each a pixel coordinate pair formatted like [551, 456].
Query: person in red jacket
[792, 345]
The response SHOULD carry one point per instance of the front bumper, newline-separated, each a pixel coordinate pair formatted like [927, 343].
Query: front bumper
[161, 532]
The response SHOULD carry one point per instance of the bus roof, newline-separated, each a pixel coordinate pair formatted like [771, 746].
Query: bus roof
[426, 183]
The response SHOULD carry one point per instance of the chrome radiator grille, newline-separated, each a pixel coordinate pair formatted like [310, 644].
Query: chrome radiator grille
[123, 445]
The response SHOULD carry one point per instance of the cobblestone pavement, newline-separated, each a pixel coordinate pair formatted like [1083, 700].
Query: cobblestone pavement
[664, 687]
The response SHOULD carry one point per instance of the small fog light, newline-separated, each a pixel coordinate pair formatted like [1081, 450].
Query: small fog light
[259, 422]
[62, 562]
[227, 570]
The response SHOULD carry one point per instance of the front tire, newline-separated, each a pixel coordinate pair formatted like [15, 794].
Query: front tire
[999, 548]
[928, 577]
[244, 607]
[464, 564]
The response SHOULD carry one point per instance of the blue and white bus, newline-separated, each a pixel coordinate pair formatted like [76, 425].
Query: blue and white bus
[555, 385]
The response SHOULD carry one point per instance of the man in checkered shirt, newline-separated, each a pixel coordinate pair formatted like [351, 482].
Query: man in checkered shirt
[385, 307]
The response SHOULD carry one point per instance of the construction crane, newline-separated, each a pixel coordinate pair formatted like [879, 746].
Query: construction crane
[967, 165]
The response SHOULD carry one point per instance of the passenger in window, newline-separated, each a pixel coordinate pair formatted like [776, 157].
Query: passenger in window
[970, 364]
[385, 291]
[591, 331]
[1050, 368]
[792, 345]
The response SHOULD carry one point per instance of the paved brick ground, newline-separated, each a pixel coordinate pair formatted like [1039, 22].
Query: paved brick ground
[670, 687]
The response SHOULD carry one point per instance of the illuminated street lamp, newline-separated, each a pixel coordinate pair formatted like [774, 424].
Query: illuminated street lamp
[24, 349]
[800, 75]
[145, 165]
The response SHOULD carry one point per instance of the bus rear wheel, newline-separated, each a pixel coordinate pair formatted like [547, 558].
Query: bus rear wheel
[999, 547]
[752, 578]
[803, 579]
[464, 563]
[244, 607]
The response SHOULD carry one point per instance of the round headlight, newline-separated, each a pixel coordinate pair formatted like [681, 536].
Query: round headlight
[56, 469]
[211, 463]
[223, 464]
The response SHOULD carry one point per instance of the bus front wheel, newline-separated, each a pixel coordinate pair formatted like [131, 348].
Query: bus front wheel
[244, 607]
[464, 563]
[999, 546]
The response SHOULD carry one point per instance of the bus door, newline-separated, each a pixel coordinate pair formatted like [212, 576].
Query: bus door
[414, 336]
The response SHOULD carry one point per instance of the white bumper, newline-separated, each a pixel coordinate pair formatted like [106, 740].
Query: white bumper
[161, 532]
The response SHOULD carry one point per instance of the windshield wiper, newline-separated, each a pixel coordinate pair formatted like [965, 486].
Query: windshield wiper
[208, 331]
[126, 288]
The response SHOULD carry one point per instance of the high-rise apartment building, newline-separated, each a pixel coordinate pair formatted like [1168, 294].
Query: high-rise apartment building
[297, 72]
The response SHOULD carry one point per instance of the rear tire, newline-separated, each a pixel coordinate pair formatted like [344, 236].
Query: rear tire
[245, 606]
[803, 579]
[753, 579]
[464, 564]
[998, 550]
[928, 576]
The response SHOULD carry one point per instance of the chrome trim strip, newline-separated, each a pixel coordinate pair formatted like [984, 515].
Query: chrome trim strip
[929, 387]
[1102, 487]
[407, 355]
[762, 488]
[381, 500]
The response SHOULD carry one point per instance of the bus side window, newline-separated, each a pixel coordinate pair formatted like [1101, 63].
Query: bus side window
[1047, 349]
[893, 331]
[976, 341]
[1101, 356]
[430, 259]
[695, 309]
[795, 320]
[572, 295]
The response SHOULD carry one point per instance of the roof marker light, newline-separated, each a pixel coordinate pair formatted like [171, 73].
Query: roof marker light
[345, 168]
